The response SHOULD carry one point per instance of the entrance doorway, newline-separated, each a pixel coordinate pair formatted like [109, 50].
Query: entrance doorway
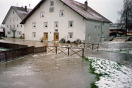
[56, 36]
[46, 36]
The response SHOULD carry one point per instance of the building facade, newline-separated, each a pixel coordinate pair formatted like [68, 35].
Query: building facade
[12, 20]
[53, 20]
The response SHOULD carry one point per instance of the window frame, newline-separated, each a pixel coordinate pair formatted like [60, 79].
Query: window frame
[45, 24]
[60, 13]
[69, 25]
[33, 34]
[51, 9]
[56, 23]
[33, 25]
[52, 3]
[70, 34]
[41, 14]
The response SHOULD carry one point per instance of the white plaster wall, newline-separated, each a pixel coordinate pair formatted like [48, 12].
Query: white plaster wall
[16, 22]
[78, 28]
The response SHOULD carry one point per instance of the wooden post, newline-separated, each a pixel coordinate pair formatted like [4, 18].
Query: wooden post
[92, 46]
[56, 49]
[82, 52]
[68, 51]
[84, 45]
[45, 48]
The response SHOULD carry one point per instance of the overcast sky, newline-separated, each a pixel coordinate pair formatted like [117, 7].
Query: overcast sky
[108, 8]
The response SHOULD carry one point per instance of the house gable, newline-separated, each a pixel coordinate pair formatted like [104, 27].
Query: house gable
[62, 20]
[79, 8]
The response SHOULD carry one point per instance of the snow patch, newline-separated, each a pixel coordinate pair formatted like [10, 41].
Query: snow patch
[118, 76]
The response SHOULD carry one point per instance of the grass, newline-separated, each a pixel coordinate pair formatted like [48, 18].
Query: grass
[93, 85]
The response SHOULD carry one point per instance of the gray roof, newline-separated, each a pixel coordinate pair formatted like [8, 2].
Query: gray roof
[88, 14]
[79, 8]
[22, 13]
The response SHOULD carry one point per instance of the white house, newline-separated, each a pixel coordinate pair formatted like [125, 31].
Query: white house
[68, 19]
[12, 20]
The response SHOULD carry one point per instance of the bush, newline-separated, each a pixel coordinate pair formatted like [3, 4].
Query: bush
[78, 41]
[68, 41]
[62, 40]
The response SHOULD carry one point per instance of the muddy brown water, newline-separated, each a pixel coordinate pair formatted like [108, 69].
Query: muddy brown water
[46, 71]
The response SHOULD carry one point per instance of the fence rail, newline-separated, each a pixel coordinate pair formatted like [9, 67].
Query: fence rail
[12, 46]
[66, 50]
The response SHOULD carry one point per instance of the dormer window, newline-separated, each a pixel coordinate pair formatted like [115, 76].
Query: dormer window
[41, 14]
[51, 3]
[61, 13]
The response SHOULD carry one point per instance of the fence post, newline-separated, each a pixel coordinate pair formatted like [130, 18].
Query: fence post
[68, 51]
[82, 52]
[56, 49]
[45, 48]
[92, 46]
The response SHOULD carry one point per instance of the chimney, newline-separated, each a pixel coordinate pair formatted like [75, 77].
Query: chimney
[86, 5]
[26, 8]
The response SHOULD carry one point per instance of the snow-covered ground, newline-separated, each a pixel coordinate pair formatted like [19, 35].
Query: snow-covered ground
[115, 75]
[124, 50]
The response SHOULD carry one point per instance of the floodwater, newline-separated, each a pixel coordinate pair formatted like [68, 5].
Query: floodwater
[122, 58]
[46, 71]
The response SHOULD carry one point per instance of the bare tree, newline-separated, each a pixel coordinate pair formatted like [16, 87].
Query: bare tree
[126, 15]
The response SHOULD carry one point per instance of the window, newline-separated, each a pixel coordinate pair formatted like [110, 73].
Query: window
[45, 24]
[56, 30]
[89, 37]
[10, 26]
[98, 27]
[61, 13]
[7, 26]
[21, 25]
[13, 19]
[13, 12]
[95, 26]
[70, 24]
[56, 25]
[19, 33]
[17, 25]
[34, 25]
[51, 3]
[8, 32]
[41, 14]
[70, 34]
[10, 19]
[51, 9]
[34, 34]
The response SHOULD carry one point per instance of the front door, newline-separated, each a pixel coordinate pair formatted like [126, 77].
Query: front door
[46, 36]
[56, 36]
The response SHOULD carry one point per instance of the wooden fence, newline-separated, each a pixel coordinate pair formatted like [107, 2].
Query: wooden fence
[12, 54]
[12, 46]
[18, 51]
[66, 50]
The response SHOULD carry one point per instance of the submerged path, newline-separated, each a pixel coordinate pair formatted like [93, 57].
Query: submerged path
[46, 71]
